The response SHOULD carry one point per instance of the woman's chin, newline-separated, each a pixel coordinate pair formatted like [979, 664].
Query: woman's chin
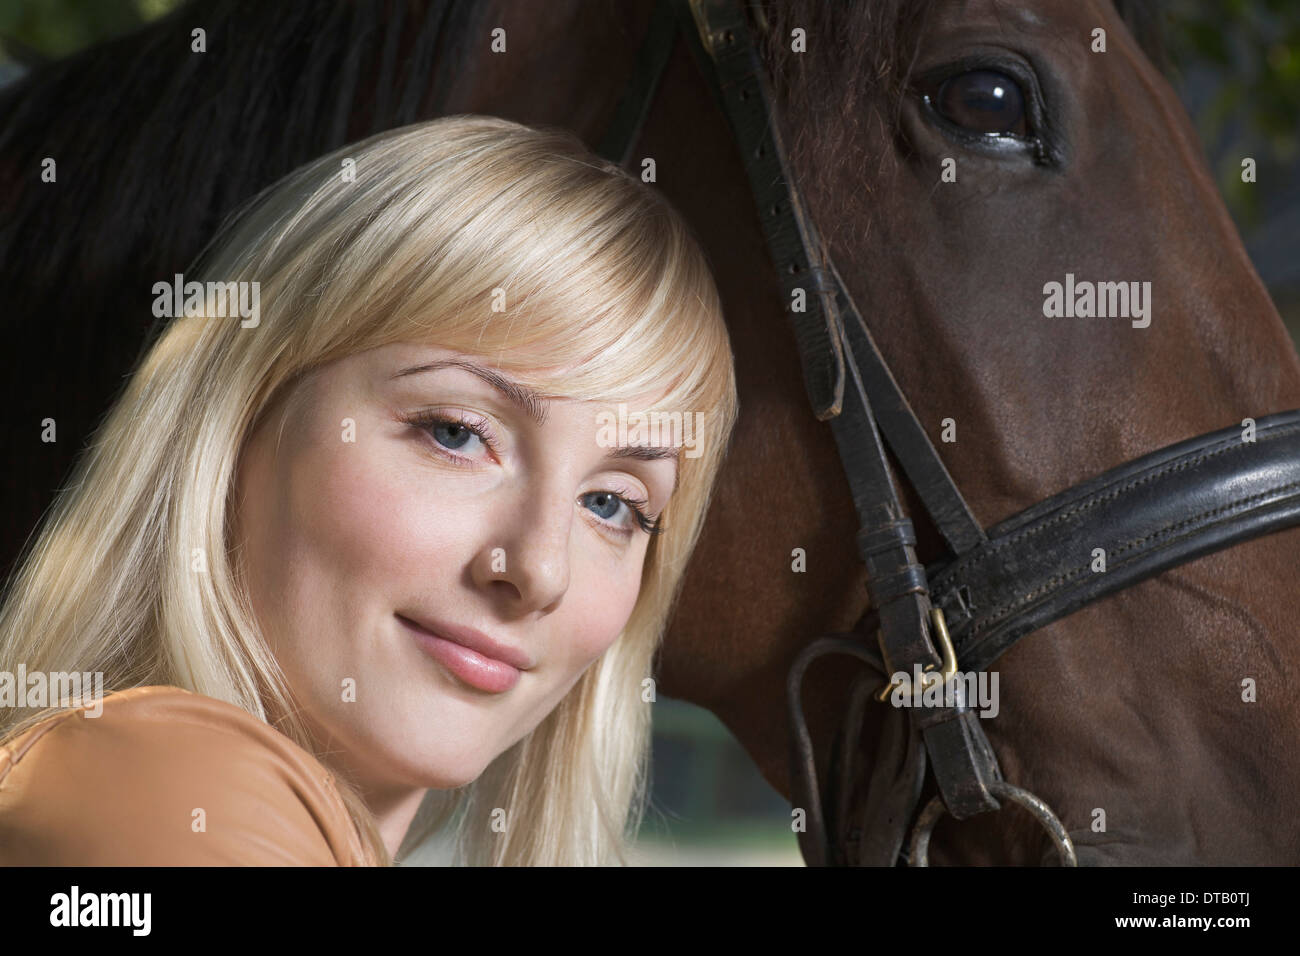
[451, 781]
[440, 771]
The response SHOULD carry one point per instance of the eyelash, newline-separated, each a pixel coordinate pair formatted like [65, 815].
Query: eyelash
[479, 427]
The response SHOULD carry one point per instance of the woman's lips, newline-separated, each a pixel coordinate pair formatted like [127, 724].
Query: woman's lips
[475, 669]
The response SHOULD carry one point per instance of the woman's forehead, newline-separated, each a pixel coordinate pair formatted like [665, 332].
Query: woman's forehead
[532, 380]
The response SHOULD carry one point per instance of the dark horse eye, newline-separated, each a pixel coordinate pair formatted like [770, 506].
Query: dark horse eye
[983, 101]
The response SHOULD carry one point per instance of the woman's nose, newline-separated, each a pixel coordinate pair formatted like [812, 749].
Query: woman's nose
[528, 557]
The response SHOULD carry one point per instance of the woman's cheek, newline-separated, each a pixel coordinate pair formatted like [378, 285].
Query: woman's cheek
[377, 507]
[605, 607]
[348, 504]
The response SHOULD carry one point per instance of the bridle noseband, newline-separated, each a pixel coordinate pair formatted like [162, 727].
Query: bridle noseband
[1146, 516]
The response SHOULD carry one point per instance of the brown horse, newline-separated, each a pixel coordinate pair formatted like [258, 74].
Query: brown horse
[1132, 706]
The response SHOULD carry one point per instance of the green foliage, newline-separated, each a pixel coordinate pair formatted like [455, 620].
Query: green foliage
[49, 29]
[1253, 49]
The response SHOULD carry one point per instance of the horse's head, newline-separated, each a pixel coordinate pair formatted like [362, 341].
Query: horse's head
[1007, 146]
[971, 166]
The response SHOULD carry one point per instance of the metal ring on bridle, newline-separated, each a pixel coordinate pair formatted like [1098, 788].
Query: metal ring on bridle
[1003, 791]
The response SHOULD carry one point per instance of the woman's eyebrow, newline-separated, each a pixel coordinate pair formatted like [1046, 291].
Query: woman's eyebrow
[644, 452]
[525, 399]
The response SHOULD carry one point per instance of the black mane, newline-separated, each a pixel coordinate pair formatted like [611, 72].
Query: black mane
[296, 77]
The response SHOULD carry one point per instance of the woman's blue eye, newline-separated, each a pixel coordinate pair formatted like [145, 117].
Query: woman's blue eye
[452, 435]
[607, 505]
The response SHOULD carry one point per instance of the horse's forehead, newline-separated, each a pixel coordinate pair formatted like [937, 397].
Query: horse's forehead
[1020, 15]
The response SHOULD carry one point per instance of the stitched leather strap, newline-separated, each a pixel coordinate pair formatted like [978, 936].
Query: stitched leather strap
[731, 66]
[832, 339]
[1147, 515]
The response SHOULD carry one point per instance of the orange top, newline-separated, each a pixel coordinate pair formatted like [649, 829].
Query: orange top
[167, 777]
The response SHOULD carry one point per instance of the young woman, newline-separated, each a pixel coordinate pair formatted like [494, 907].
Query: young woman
[399, 533]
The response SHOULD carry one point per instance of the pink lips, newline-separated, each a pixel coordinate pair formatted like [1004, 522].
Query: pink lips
[470, 655]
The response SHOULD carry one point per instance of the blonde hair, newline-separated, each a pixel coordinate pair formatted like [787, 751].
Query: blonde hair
[600, 274]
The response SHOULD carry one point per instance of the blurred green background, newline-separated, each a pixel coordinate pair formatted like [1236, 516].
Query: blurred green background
[1236, 64]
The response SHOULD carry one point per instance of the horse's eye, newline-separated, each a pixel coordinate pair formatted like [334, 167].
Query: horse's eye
[983, 101]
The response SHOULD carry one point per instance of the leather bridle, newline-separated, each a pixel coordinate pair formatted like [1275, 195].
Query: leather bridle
[1146, 516]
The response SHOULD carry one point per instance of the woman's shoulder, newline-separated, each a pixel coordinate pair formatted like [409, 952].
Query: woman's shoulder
[161, 776]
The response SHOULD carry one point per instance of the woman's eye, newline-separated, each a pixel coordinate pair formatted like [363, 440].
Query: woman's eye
[452, 435]
[983, 101]
[606, 505]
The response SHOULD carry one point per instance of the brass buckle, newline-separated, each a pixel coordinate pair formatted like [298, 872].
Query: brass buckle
[938, 627]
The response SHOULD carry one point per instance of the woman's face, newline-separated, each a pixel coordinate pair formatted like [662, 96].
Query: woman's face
[362, 532]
